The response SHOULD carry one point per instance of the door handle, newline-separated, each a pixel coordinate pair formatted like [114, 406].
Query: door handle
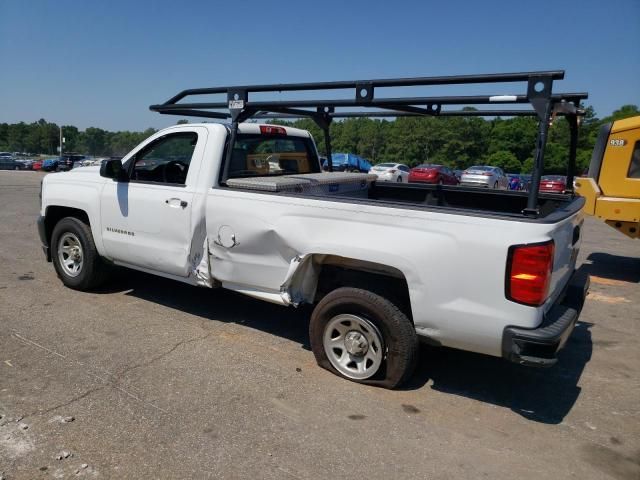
[176, 202]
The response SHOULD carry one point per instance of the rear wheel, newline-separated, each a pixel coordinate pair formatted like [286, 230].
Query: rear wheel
[75, 257]
[16, 167]
[495, 185]
[363, 337]
[399, 180]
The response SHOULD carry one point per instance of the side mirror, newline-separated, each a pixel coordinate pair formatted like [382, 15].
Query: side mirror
[113, 169]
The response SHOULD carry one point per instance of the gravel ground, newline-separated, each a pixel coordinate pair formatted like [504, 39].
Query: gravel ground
[149, 378]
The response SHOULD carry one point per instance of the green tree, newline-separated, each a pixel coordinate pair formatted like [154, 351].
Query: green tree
[4, 136]
[71, 136]
[527, 166]
[516, 135]
[626, 111]
[17, 136]
[505, 160]
[94, 141]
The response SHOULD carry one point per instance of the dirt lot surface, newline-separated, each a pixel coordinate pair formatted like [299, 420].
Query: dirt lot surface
[149, 378]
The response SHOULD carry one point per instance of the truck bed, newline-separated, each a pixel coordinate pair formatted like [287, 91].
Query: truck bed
[358, 188]
[474, 201]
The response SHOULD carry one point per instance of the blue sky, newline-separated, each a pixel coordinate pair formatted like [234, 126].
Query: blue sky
[102, 63]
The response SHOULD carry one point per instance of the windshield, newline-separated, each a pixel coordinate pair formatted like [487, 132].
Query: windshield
[427, 165]
[481, 168]
[554, 178]
[384, 165]
[264, 155]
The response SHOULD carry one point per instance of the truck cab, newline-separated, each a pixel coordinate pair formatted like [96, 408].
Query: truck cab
[612, 186]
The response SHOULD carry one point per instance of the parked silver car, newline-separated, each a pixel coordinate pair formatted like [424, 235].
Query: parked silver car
[484, 176]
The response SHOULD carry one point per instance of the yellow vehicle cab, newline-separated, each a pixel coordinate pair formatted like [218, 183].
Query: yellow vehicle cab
[612, 187]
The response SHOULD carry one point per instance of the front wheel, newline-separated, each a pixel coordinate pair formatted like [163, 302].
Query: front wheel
[363, 337]
[399, 180]
[75, 257]
[495, 186]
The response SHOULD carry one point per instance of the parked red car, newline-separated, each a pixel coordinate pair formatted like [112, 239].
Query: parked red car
[37, 165]
[553, 183]
[433, 174]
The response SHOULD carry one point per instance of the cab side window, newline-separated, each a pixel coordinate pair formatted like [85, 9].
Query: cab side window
[165, 160]
[634, 166]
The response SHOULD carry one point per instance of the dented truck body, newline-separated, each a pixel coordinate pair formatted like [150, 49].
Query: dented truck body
[247, 207]
[274, 246]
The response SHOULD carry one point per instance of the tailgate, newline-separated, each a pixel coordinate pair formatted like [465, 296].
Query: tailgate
[567, 237]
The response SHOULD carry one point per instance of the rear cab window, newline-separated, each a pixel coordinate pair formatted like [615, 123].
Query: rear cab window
[260, 155]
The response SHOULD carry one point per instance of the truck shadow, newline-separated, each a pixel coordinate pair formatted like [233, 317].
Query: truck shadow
[541, 395]
[215, 305]
[613, 267]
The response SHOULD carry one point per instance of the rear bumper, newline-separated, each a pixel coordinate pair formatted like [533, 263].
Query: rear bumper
[475, 183]
[386, 177]
[42, 233]
[432, 180]
[539, 346]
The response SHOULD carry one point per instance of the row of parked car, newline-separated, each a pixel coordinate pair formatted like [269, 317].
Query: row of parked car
[51, 164]
[476, 176]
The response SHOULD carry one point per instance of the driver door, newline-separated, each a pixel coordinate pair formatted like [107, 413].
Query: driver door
[146, 221]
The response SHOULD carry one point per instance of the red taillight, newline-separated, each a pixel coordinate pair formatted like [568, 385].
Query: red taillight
[271, 130]
[529, 270]
[487, 174]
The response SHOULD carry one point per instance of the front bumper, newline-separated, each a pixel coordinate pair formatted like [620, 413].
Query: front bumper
[539, 346]
[42, 233]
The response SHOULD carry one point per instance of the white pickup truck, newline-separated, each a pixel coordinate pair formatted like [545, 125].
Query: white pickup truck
[384, 265]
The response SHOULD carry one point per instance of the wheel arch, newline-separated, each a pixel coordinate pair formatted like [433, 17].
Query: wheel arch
[55, 213]
[316, 275]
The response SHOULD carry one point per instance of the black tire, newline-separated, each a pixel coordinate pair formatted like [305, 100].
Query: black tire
[398, 333]
[94, 271]
[399, 180]
[495, 186]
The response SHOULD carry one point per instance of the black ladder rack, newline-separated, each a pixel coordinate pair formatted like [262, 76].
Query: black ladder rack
[545, 104]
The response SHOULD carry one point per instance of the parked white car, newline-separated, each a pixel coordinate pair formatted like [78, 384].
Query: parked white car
[391, 172]
[484, 176]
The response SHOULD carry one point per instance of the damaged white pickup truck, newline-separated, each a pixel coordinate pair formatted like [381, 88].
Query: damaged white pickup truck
[246, 207]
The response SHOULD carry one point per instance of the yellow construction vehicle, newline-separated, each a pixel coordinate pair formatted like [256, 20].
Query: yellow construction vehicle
[612, 186]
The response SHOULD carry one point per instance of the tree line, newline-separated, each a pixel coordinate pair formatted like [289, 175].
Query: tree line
[43, 138]
[457, 142]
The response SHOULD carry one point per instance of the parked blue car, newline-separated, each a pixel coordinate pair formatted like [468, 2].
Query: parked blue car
[50, 164]
[348, 162]
[515, 182]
